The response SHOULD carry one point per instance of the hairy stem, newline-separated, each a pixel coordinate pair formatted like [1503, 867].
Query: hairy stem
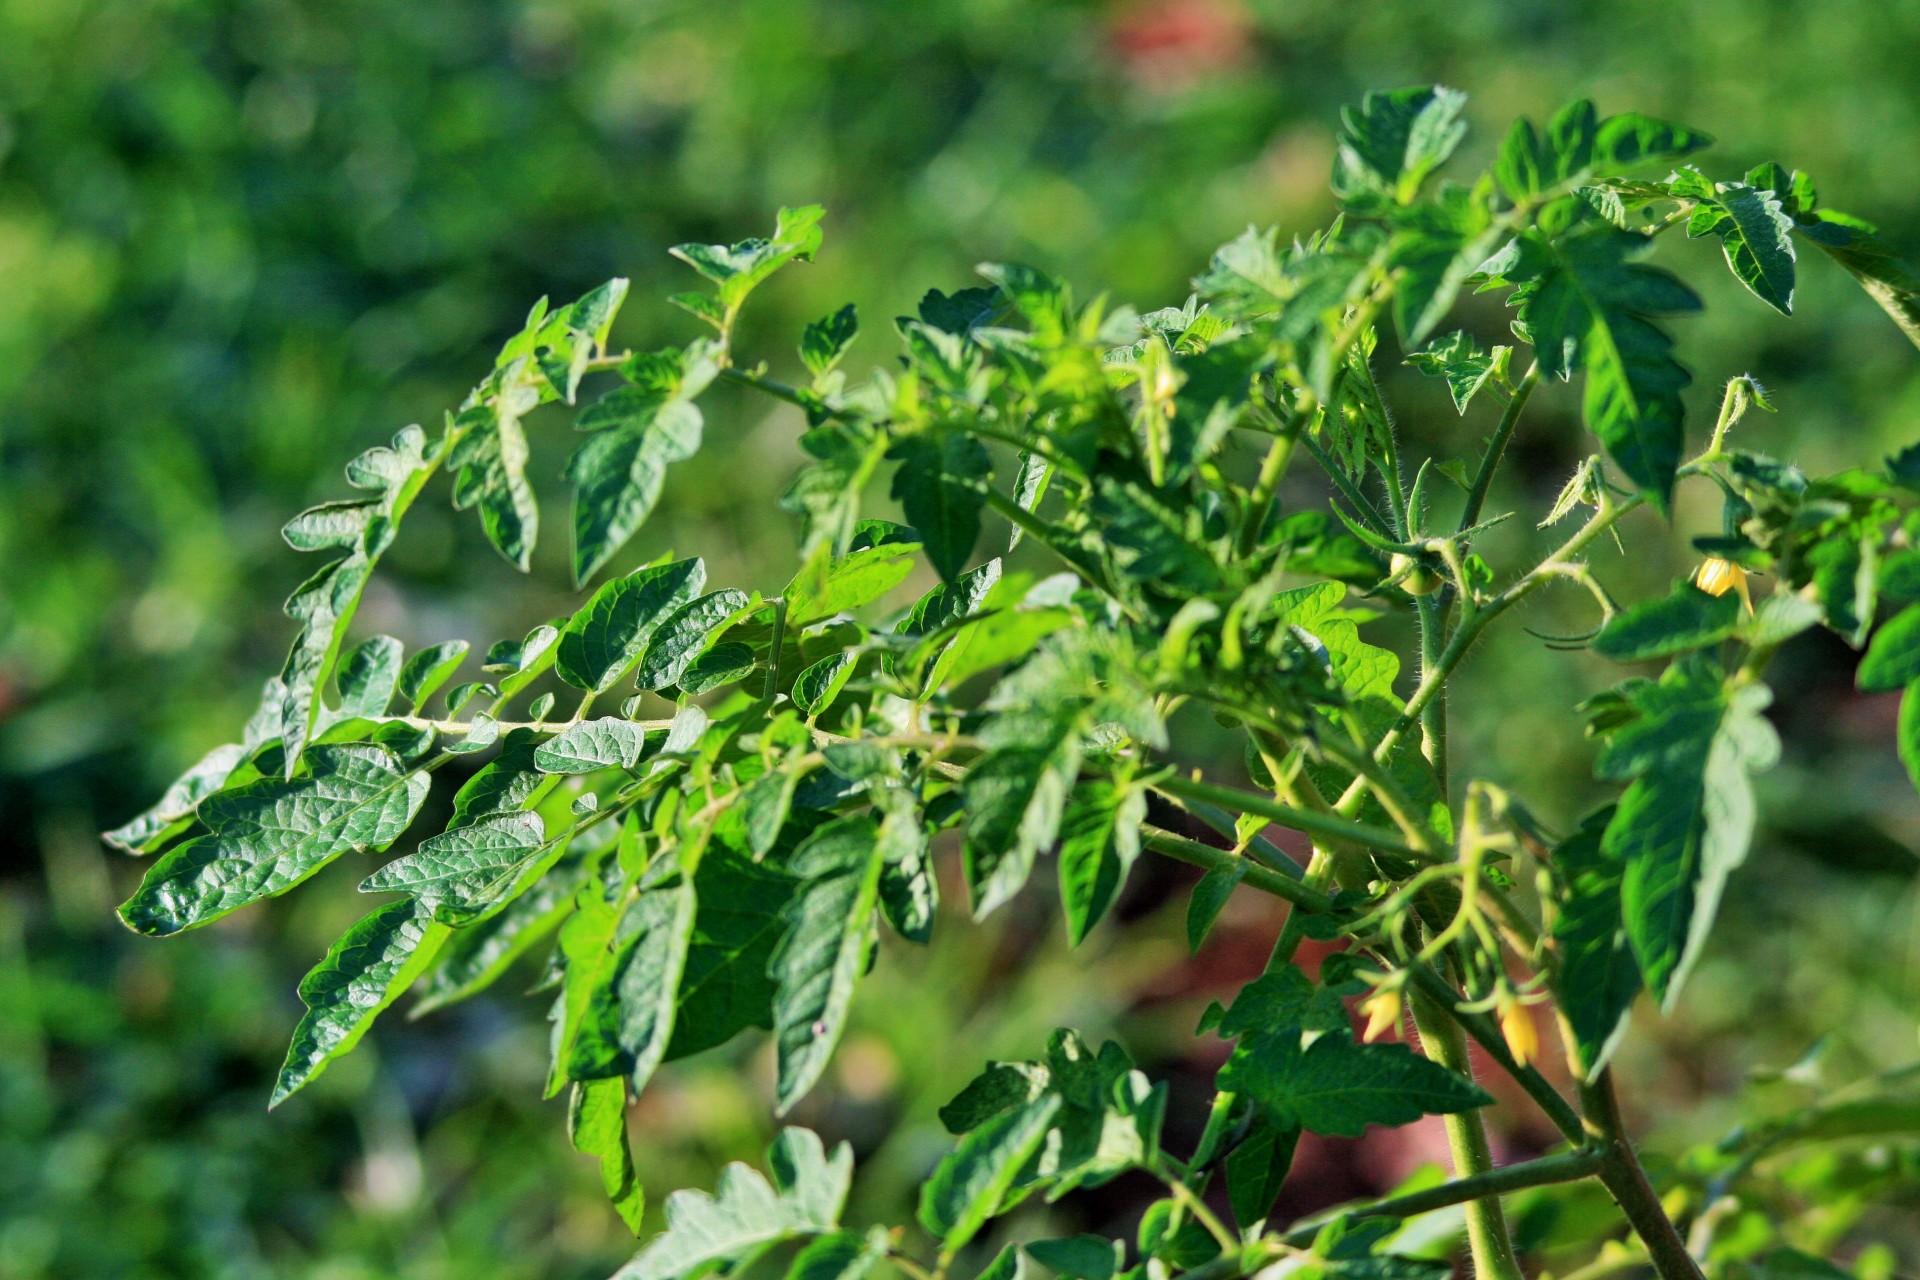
[1569, 1166]
[1626, 1179]
[1487, 1237]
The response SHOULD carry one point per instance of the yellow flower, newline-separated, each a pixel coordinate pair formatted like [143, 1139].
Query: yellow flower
[1716, 577]
[1383, 1012]
[1516, 1026]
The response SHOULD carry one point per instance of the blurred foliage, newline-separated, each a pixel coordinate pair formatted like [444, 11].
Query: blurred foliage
[240, 241]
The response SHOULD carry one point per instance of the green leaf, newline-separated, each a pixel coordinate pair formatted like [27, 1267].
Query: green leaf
[1577, 143]
[1684, 823]
[1687, 619]
[725, 986]
[1598, 977]
[739, 268]
[1908, 732]
[1757, 236]
[823, 342]
[831, 927]
[849, 582]
[840, 1256]
[363, 973]
[747, 1212]
[461, 874]
[1584, 303]
[426, 671]
[478, 954]
[723, 664]
[606, 743]
[816, 687]
[1337, 1087]
[638, 432]
[268, 835]
[489, 460]
[607, 636]
[518, 664]
[1466, 366]
[1393, 141]
[1016, 797]
[941, 486]
[1209, 897]
[1257, 1167]
[177, 803]
[597, 1126]
[685, 633]
[368, 675]
[629, 1016]
[1084, 1257]
[969, 1186]
[1892, 660]
[1885, 276]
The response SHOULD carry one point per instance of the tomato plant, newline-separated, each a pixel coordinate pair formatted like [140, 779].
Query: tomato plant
[748, 787]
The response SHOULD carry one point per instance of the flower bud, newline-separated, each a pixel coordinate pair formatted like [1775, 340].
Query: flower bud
[1383, 1012]
[1516, 1026]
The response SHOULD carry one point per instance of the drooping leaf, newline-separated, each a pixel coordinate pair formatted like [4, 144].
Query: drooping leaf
[489, 458]
[630, 1012]
[364, 972]
[268, 835]
[724, 985]
[1892, 660]
[597, 1126]
[177, 803]
[941, 486]
[1757, 235]
[1684, 823]
[830, 928]
[479, 953]
[1598, 977]
[1258, 1165]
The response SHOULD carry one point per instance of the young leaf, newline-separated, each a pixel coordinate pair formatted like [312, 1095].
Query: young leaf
[820, 959]
[824, 341]
[363, 973]
[489, 457]
[849, 582]
[1684, 823]
[1584, 303]
[1392, 141]
[266, 836]
[739, 268]
[426, 671]
[597, 1126]
[1209, 898]
[603, 640]
[747, 1213]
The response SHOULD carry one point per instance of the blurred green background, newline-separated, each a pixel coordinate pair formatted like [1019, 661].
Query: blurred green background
[241, 241]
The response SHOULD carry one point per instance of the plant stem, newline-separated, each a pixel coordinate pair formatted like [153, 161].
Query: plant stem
[1621, 1171]
[1303, 820]
[1252, 874]
[1492, 1247]
[1497, 447]
[1557, 1109]
[1569, 1166]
